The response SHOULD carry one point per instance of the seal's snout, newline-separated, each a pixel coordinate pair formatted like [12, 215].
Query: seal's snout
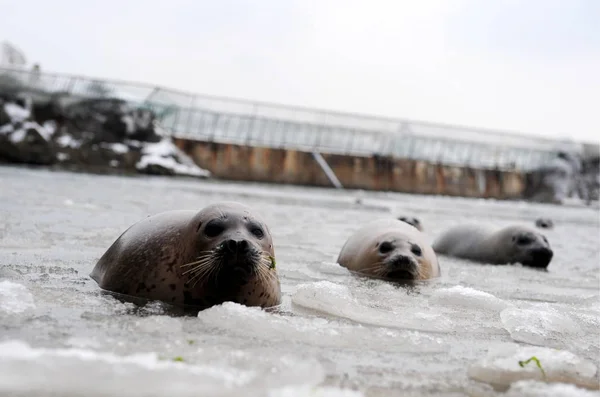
[402, 262]
[541, 257]
[401, 267]
[236, 246]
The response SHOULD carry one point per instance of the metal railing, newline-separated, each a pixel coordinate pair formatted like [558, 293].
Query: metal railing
[246, 122]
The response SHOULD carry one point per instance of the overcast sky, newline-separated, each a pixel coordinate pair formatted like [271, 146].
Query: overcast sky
[531, 66]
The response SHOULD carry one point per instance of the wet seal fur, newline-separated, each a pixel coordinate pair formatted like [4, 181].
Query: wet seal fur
[512, 244]
[411, 220]
[390, 249]
[194, 259]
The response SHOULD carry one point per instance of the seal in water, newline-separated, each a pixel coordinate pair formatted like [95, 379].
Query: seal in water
[544, 223]
[194, 259]
[390, 249]
[512, 244]
[412, 221]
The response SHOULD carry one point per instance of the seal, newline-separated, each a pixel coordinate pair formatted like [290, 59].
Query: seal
[194, 259]
[389, 249]
[412, 221]
[512, 244]
[544, 223]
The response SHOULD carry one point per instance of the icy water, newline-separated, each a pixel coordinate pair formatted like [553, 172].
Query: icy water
[336, 335]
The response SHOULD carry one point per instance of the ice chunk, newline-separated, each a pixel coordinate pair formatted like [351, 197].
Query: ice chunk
[305, 391]
[74, 371]
[537, 327]
[501, 366]
[312, 330]
[57, 369]
[16, 113]
[337, 300]
[15, 298]
[531, 388]
[467, 297]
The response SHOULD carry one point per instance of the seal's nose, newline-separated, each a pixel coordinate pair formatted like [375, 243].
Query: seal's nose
[236, 246]
[541, 257]
[401, 262]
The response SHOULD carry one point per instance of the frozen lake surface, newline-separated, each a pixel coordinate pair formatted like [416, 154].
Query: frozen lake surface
[336, 335]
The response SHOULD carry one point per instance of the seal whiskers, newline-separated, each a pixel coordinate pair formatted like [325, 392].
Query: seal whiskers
[194, 259]
[390, 249]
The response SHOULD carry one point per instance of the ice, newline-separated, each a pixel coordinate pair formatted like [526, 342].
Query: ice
[16, 113]
[15, 298]
[314, 392]
[531, 388]
[162, 153]
[467, 297]
[78, 371]
[315, 331]
[539, 326]
[501, 366]
[337, 300]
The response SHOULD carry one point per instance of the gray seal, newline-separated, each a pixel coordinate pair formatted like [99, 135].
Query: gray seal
[194, 259]
[512, 244]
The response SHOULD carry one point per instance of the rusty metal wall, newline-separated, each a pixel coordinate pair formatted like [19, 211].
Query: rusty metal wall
[263, 164]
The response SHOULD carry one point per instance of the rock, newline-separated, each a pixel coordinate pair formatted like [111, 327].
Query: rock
[164, 158]
[99, 134]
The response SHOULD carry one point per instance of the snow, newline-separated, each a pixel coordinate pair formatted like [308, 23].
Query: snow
[16, 113]
[117, 147]
[67, 140]
[18, 135]
[162, 154]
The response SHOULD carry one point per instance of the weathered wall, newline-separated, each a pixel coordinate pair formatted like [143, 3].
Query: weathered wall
[249, 163]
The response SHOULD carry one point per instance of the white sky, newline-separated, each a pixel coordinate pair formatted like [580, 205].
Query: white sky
[531, 66]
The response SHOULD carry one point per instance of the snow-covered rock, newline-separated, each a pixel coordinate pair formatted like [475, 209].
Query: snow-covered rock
[94, 134]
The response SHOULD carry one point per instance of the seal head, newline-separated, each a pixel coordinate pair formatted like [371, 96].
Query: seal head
[412, 221]
[194, 259]
[544, 223]
[511, 244]
[390, 249]
[530, 249]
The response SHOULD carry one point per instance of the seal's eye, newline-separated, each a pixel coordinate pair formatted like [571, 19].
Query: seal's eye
[523, 240]
[385, 247]
[213, 229]
[257, 231]
[415, 249]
